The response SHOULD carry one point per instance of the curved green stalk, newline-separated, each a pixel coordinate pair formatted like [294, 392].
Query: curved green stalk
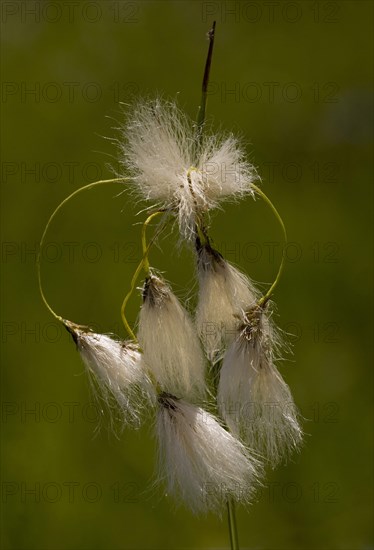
[143, 264]
[145, 248]
[129, 330]
[266, 296]
[38, 260]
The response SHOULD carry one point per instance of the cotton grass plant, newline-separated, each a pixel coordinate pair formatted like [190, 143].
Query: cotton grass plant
[215, 434]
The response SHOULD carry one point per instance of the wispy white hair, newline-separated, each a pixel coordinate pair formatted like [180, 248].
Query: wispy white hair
[201, 462]
[224, 293]
[118, 370]
[160, 153]
[253, 398]
[169, 341]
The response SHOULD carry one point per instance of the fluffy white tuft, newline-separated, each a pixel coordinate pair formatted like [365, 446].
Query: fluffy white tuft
[169, 341]
[253, 398]
[159, 152]
[117, 368]
[224, 293]
[201, 462]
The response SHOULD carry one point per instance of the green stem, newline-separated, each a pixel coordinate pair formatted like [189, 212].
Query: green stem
[38, 260]
[145, 248]
[266, 296]
[129, 330]
[143, 264]
[234, 541]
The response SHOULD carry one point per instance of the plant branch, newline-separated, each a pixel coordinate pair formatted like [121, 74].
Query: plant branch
[266, 296]
[143, 264]
[38, 260]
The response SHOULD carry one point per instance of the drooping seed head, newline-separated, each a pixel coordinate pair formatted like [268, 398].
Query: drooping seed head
[201, 463]
[169, 341]
[253, 398]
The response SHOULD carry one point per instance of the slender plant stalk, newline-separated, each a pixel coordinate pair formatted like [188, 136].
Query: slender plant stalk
[41, 244]
[204, 90]
[266, 296]
[204, 237]
[143, 265]
[145, 248]
[234, 541]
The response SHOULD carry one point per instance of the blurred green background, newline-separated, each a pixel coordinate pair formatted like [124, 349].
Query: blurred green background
[295, 80]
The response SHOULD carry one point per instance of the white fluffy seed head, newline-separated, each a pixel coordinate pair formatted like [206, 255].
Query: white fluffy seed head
[160, 154]
[117, 370]
[224, 293]
[169, 341]
[202, 463]
[253, 398]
